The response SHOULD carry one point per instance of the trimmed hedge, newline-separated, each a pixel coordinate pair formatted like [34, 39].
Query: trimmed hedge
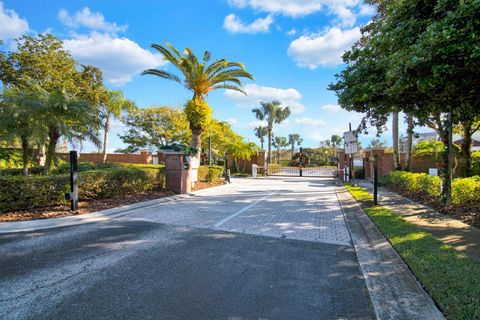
[463, 189]
[19, 192]
[210, 173]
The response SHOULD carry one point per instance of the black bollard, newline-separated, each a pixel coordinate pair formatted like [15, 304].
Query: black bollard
[72, 196]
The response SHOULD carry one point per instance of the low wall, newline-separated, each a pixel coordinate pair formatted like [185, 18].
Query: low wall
[144, 157]
[385, 162]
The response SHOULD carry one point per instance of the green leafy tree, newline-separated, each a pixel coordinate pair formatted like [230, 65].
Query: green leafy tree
[200, 77]
[292, 140]
[432, 148]
[154, 128]
[377, 143]
[273, 113]
[260, 133]
[419, 57]
[114, 105]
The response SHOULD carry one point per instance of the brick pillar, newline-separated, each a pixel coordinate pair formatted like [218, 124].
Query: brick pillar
[380, 153]
[367, 164]
[261, 161]
[176, 175]
[146, 157]
[342, 160]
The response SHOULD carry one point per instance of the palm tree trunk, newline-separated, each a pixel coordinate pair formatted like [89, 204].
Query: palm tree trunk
[396, 154]
[269, 155]
[278, 155]
[53, 137]
[105, 137]
[293, 149]
[467, 147]
[196, 141]
[25, 155]
[408, 158]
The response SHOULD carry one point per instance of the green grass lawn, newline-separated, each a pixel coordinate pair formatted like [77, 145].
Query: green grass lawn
[451, 278]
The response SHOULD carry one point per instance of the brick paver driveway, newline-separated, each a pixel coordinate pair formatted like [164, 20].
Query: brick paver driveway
[271, 248]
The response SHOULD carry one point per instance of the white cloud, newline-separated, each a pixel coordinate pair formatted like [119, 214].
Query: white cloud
[310, 121]
[316, 135]
[118, 58]
[256, 94]
[292, 32]
[344, 10]
[324, 49]
[89, 19]
[331, 107]
[233, 24]
[232, 121]
[254, 124]
[11, 25]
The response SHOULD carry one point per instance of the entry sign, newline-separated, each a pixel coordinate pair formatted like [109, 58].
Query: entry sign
[349, 136]
[351, 148]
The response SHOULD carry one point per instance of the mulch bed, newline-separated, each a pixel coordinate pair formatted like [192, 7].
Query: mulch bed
[95, 205]
[468, 213]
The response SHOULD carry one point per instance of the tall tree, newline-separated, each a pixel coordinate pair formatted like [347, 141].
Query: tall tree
[395, 137]
[154, 128]
[114, 105]
[260, 133]
[280, 142]
[409, 142]
[420, 57]
[292, 140]
[200, 77]
[273, 113]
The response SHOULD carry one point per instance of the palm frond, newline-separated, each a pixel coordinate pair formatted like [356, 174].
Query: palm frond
[229, 87]
[163, 74]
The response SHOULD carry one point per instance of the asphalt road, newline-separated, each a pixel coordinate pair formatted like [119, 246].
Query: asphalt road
[133, 269]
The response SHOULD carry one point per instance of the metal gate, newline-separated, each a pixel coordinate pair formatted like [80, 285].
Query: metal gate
[301, 172]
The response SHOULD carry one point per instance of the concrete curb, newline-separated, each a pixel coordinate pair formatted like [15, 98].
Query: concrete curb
[394, 291]
[98, 216]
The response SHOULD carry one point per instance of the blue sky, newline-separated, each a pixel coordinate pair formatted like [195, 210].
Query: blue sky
[292, 47]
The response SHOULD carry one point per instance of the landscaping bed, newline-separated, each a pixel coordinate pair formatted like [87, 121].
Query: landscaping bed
[83, 207]
[449, 276]
[425, 189]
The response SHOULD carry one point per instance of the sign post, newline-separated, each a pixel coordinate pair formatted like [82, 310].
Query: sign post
[351, 147]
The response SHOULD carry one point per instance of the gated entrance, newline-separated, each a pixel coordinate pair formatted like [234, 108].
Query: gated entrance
[301, 172]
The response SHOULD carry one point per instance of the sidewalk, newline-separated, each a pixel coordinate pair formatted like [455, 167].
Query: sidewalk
[453, 232]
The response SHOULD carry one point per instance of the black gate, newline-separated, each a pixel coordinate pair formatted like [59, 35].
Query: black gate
[301, 172]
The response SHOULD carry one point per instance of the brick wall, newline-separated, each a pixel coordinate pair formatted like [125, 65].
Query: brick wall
[144, 157]
[385, 162]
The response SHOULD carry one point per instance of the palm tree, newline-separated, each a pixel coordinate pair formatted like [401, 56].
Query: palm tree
[18, 118]
[272, 112]
[279, 142]
[294, 139]
[62, 115]
[200, 78]
[114, 105]
[260, 133]
[336, 140]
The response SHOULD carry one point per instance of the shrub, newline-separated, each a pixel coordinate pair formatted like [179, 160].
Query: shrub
[463, 189]
[476, 163]
[210, 173]
[10, 158]
[19, 193]
[64, 168]
[466, 190]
